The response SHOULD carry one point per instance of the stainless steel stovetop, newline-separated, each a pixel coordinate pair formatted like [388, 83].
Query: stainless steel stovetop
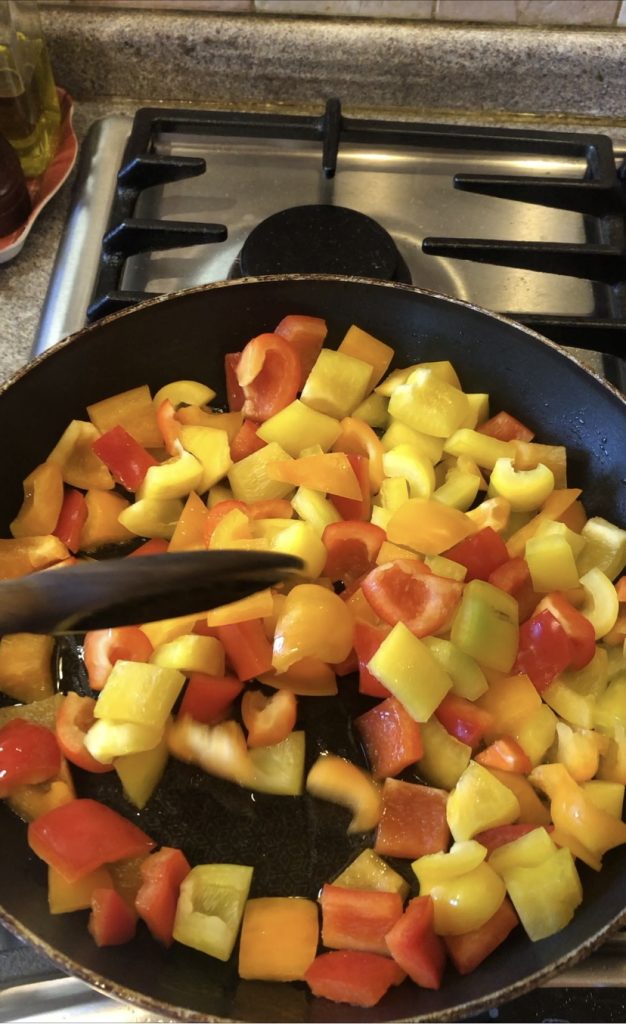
[408, 190]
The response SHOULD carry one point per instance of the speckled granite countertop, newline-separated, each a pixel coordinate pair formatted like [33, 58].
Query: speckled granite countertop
[115, 63]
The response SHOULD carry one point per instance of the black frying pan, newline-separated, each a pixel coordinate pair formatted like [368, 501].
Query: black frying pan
[294, 844]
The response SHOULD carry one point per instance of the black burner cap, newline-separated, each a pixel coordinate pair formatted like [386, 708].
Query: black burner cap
[320, 239]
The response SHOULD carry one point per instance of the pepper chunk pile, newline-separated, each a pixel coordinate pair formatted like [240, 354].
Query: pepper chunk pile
[448, 567]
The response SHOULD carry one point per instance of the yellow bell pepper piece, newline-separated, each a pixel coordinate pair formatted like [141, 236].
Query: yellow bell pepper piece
[66, 897]
[442, 566]
[107, 740]
[186, 654]
[43, 498]
[314, 508]
[605, 548]
[41, 712]
[132, 410]
[330, 472]
[528, 455]
[141, 773]
[303, 541]
[536, 732]
[339, 781]
[313, 622]
[279, 768]
[337, 383]
[479, 801]
[485, 625]
[394, 491]
[573, 694]
[609, 712]
[26, 666]
[468, 678]
[188, 534]
[249, 478]
[361, 345]
[406, 666]
[478, 410]
[194, 416]
[601, 604]
[573, 812]
[220, 492]
[174, 478]
[398, 433]
[24, 555]
[427, 526]
[444, 758]
[309, 677]
[525, 490]
[369, 871]
[256, 606]
[459, 490]
[493, 512]
[551, 563]
[608, 796]
[298, 426]
[429, 404]
[441, 368]
[31, 801]
[408, 463]
[545, 895]
[525, 851]
[613, 763]
[483, 449]
[103, 524]
[139, 693]
[465, 890]
[212, 450]
[380, 516]
[358, 438]
[184, 392]
[210, 907]
[152, 517]
[79, 465]
[579, 751]
[533, 810]
[373, 411]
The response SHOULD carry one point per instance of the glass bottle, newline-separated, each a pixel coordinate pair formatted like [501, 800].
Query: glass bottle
[29, 107]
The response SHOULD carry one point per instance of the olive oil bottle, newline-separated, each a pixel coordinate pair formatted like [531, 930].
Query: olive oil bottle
[29, 107]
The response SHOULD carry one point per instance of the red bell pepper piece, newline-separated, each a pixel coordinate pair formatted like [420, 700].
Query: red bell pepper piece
[356, 508]
[306, 334]
[269, 372]
[103, 647]
[406, 591]
[72, 518]
[162, 874]
[492, 838]
[352, 548]
[247, 648]
[358, 918]
[234, 393]
[392, 739]
[29, 753]
[111, 922]
[544, 649]
[514, 577]
[413, 821]
[505, 427]
[580, 632]
[461, 718]
[246, 441]
[506, 754]
[169, 427]
[74, 718]
[414, 945]
[345, 976]
[207, 699]
[481, 553]
[82, 835]
[469, 950]
[367, 640]
[268, 720]
[127, 460]
[154, 546]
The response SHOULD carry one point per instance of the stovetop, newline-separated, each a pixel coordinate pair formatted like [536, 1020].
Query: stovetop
[526, 223]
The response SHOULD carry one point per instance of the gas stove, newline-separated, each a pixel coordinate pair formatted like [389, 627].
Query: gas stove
[527, 223]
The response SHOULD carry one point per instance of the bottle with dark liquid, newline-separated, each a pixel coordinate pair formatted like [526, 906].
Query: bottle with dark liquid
[29, 107]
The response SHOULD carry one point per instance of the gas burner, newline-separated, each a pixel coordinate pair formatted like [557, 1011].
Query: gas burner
[321, 239]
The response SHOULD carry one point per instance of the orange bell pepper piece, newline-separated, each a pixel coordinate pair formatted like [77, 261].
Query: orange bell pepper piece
[428, 526]
[43, 498]
[330, 472]
[279, 938]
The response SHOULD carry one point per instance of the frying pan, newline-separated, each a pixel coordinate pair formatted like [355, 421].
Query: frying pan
[295, 844]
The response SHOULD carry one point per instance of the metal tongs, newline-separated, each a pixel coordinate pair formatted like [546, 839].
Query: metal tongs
[129, 591]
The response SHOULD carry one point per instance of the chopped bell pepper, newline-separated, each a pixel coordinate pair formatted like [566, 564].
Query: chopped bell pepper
[573, 813]
[391, 738]
[428, 403]
[24, 555]
[132, 410]
[184, 392]
[486, 625]
[444, 758]
[337, 383]
[413, 820]
[151, 517]
[111, 922]
[601, 605]
[369, 871]
[410, 672]
[29, 753]
[348, 976]
[415, 946]
[484, 450]
[314, 622]
[71, 520]
[26, 666]
[140, 694]
[141, 772]
[428, 526]
[358, 918]
[335, 779]
[469, 950]
[105, 520]
[188, 654]
[79, 464]
[358, 343]
[279, 937]
[249, 478]
[524, 489]
[479, 801]
[127, 460]
[468, 679]
[210, 907]
[298, 426]
[162, 874]
[305, 334]
[65, 897]
[545, 895]
[465, 894]
[605, 548]
[43, 499]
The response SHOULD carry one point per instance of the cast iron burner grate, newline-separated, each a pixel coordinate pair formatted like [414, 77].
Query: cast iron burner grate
[598, 195]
